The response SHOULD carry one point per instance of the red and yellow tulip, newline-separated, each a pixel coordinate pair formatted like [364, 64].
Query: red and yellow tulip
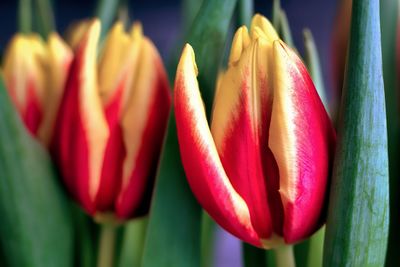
[112, 121]
[262, 169]
[35, 73]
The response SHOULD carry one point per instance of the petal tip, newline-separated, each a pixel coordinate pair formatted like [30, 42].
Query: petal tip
[188, 60]
[240, 41]
[262, 27]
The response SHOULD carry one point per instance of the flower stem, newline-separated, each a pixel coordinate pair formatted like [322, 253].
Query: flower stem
[105, 257]
[284, 256]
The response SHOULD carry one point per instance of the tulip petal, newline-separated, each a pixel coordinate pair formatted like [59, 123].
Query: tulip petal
[117, 69]
[113, 60]
[75, 32]
[240, 123]
[82, 131]
[236, 128]
[301, 139]
[59, 61]
[205, 173]
[143, 125]
[24, 65]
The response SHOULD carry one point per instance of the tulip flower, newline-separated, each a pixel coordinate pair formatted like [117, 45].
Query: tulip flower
[35, 73]
[262, 170]
[111, 122]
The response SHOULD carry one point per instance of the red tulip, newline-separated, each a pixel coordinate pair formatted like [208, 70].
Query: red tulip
[262, 169]
[35, 74]
[112, 121]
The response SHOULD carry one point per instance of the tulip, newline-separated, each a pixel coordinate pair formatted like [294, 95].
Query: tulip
[111, 122]
[35, 73]
[262, 170]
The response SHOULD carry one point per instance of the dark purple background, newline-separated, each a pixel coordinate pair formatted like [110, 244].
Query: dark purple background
[161, 22]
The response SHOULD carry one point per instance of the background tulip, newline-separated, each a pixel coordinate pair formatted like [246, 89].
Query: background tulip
[262, 171]
[112, 121]
[35, 74]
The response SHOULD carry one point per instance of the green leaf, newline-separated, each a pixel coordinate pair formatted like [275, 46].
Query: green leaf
[389, 17]
[106, 11]
[189, 10]
[36, 227]
[284, 29]
[253, 256]
[207, 37]
[301, 251]
[208, 230]
[24, 16]
[245, 11]
[276, 13]
[173, 234]
[132, 243]
[85, 237]
[43, 17]
[358, 214]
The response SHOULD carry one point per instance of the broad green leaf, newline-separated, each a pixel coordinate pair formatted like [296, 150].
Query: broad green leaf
[245, 12]
[36, 227]
[358, 214]
[189, 10]
[173, 233]
[132, 242]
[389, 24]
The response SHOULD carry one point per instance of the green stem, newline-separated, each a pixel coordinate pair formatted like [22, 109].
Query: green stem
[25, 16]
[316, 249]
[105, 257]
[284, 256]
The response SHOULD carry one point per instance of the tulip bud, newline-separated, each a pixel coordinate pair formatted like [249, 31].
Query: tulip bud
[35, 74]
[262, 169]
[112, 121]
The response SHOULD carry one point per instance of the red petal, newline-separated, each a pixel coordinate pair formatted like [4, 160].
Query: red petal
[144, 122]
[238, 125]
[24, 77]
[82, 131]
[203, 167]
[302, 141]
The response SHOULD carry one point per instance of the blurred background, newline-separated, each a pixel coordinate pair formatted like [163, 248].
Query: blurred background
[162, 22]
